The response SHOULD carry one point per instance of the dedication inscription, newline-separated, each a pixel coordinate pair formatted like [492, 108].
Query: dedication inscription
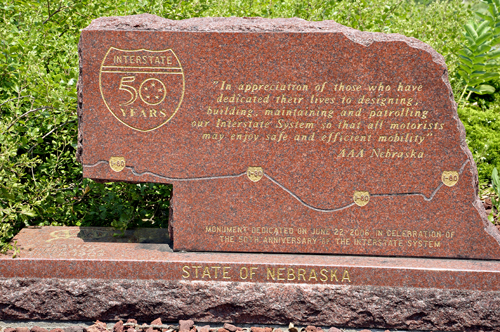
[307, 137]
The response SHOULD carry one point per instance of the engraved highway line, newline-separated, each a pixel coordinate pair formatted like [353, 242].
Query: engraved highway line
[132, 169]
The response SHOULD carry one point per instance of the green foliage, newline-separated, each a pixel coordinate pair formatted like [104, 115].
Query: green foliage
[477, 63]
[122, 205]
[495, 181]
[483, 137]
[491, 13]
[40, 181]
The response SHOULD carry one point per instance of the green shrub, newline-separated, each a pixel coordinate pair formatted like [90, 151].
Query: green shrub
[40, 181]
[477, 57]
[483, 137]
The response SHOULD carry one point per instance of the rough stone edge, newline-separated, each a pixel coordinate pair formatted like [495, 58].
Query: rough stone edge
[148, 22]
[256, 303]
[79, 109]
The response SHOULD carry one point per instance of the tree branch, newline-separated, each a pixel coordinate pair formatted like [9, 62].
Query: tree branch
[50, 132]
[54, 12]
[5, 102]
[25, 114]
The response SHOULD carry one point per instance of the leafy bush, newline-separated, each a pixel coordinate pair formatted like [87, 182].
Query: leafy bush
[40, 181]
[477, 63]
[483, 137]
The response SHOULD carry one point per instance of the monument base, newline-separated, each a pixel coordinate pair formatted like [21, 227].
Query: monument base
[70, 273]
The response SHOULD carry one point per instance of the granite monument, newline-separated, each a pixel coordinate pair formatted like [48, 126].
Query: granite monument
[283, 139]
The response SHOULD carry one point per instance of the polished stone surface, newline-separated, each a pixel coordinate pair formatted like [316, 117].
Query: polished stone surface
[80, 253]
[283, 136]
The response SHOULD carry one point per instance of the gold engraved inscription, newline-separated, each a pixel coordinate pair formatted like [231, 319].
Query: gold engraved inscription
[361, 198]
[85, 234]
[290, 274]
[449, 178]
[117, 164]
[152, 91]
[331, 237]
[255, 173]
[62, 235]
[311, 275]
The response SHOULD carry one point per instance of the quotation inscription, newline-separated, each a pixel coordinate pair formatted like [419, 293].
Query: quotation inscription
[381, 120]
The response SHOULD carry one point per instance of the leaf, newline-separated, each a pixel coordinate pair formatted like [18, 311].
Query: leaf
[485, 89]
[464, 75]
[495, 202]
[28, 213]
[482, 39]
[465, 54]
[490, 76]
[494, 54]
[478, 67]
[496, 180]
[492, 10]
[490, 66]
[490, 217]
[471, 31]
[481, 52]
[475, 81]
[482, 30]
[472, 43]
[465, 68]
[485, 17]
[466, 59]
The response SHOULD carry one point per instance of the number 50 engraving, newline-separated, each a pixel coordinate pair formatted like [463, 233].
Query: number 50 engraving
[128, 88]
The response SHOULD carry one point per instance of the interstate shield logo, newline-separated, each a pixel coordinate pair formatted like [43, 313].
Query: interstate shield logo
[143, 89]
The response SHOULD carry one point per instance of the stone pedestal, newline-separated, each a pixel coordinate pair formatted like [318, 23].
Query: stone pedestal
[86, 273]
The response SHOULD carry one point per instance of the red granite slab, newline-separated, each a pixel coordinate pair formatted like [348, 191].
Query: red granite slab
[81, 253]
[283, 136]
